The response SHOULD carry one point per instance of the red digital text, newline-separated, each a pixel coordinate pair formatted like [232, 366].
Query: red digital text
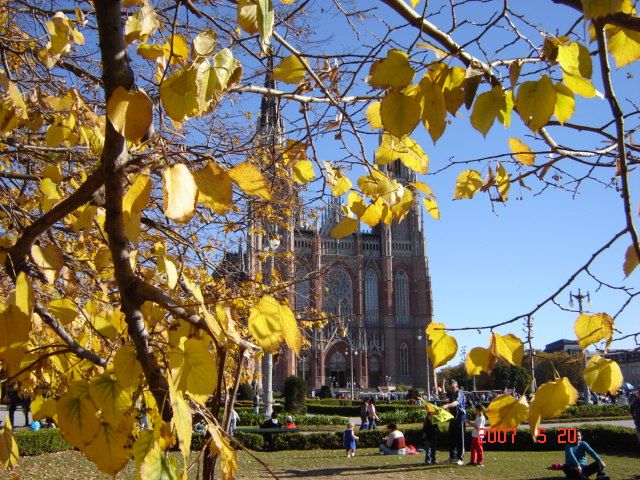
[508, 435]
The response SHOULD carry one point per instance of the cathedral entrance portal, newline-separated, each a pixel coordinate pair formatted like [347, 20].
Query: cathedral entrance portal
[336, 370]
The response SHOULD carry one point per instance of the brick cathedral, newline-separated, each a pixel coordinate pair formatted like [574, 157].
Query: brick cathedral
[374, 288]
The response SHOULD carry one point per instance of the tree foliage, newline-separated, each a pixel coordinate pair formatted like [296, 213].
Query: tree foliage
[295, 393]
[128, 172]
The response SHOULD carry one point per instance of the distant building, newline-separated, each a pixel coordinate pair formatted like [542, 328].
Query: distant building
[629, 365]
[570, 347]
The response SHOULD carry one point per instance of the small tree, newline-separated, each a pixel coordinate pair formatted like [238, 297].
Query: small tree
[246, 391]
[295, 393]
[325, 392]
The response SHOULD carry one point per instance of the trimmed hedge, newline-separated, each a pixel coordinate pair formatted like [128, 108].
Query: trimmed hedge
[354, 410]
[45, 440]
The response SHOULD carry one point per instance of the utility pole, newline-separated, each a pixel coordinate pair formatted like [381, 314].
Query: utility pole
[274, 243]
[580, 297]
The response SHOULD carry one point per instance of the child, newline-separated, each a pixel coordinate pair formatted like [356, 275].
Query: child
[350, 440]
[430, 433]
[477, 450]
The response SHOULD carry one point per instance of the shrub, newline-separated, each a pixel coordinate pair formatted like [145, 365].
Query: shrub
[413, 393]
[295, 394]
[325, 392]
[45, 440]
[253, 441]
[246, 392]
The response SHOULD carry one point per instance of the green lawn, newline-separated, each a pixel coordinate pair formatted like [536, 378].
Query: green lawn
[322, 464]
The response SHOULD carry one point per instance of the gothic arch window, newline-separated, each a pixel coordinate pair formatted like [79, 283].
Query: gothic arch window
[337, 362]
[404, 360]
[303, 290]
[371, 298]
[401, 293]
[337, 292]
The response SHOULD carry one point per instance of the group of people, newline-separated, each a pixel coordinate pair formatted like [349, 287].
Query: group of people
[368, 415]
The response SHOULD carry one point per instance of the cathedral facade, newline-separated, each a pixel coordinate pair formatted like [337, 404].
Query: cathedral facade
[373, 286]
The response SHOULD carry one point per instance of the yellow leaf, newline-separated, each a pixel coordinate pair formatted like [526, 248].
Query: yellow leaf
[575, 60]
[204, 44]
[338, 181]
[43, 408]
[452, 89]
[151, 52]
[509, 348]
[176, 49]
[290, 70]
[553, 397]
[157, 465]
[345, 227]
[433, 106]
[15, 327]
[601, 8]
[251, 181]
[51, 194]
[265, 23]
[593, 328]
[399, 113]
[443, 347]
[24, 296]
[536, 101]
[104, 326]
[432, 207]
[221, 446]
[579, 85]
[64, 310]
[181, 420]
[371, 215]
[486, 108]
[194, 369]
[137, 196]
[303, 171]
[270, 322]
[477, 361]
[565, 103]
[53, 173]
[9, 453]
[77, 416]
[214, 188]
[402, 207]
[127, 368]
[131, 113]
[630, 261]
[623, 44]
[502, 182]
[406, 150]
[214, 80]
[141, 24]
[86, 218]
[505, 412]
[179, 94]
[108, 396]
[603, 375]
[468, 184]
[110, 449]
[521, 151]
[247, 16]
[392, 72]
[179, 190]
[49, 259]
[56, 134]
[373, 115]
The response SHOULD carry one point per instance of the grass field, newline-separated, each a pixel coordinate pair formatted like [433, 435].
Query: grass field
[324, 464]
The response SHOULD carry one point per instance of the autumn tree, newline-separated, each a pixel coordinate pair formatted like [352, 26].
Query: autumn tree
[131, 166]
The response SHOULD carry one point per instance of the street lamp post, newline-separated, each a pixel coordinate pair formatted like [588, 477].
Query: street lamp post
[274, 243]
[351, 353]
[427, 355]
[580, 297]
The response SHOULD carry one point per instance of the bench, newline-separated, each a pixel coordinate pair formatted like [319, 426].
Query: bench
[267, 430]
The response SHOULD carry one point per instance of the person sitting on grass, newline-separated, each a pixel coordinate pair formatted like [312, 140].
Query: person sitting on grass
[394, 443]
[576, 467]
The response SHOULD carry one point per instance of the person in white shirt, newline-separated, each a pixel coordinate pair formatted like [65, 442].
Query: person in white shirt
[394, 443]
[477, 450]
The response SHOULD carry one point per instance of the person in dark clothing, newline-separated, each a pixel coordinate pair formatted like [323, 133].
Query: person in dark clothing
[430, 432]
[635, 412]
[272, 422]
[457, 408]
[575, 467]
[26, 408]
[14, 401]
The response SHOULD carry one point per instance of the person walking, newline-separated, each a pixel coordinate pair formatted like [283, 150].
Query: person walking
[457, 408]
[364, 423]
[371, 414]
